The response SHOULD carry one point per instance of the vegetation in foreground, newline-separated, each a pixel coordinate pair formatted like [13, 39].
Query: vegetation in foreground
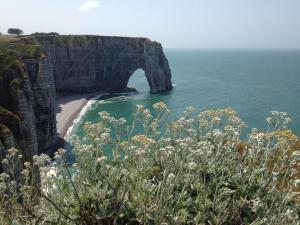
[197, 172]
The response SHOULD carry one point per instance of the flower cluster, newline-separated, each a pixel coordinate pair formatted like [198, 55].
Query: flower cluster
[192, 170]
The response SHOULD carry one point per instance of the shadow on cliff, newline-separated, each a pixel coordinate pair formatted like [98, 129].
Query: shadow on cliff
[63, 144]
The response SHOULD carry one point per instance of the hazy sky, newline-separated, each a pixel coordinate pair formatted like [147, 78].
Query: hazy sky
[174, 23]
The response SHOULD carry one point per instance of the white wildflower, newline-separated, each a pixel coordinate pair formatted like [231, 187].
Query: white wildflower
[4, 177]
[25, 172]
[296, 155]
[160, 106]
[216, 120]
[189, 110]
[124, 171]
[105, 136]
[192, 165]
[170, 148]
[140, 108]
[41, 160]
[171, 177]
[217, 133]
[287, 120]
[13, 151]
[297, 183]
[26, 164]
[57, 156]
[5, 161]
[101, 159]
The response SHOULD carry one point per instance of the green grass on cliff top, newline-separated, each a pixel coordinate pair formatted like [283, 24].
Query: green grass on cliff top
[23, 47]
[5, 37]
[13, 49]
[5, 41]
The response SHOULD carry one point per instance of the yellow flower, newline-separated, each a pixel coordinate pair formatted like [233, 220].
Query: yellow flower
[285, 133]
[160, 106]
[142, 139]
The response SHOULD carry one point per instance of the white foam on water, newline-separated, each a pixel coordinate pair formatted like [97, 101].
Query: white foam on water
[104, 102]
[89, 106]
[86, 108]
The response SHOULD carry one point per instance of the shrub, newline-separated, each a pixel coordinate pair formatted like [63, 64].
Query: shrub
[16, 31]
[197, 172]
[44, 33]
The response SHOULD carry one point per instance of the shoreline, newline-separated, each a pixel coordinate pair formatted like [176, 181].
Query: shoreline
[70, 108]
[67, 110]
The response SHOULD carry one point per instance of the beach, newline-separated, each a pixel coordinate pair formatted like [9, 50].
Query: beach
[67, 110]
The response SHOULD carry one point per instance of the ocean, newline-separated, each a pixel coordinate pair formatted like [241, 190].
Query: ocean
[251, 81]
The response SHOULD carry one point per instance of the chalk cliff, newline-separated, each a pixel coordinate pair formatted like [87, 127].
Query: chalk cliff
[27, 101]
[34, 68]
[85, 63]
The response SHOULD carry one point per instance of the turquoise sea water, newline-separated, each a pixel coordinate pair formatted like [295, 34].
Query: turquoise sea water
[253, 82]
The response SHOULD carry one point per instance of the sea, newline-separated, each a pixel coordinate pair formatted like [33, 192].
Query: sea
[253, 82]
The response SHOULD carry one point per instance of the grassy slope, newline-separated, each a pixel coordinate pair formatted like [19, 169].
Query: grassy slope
[21, 46]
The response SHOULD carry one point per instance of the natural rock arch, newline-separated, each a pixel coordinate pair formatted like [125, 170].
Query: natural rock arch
[67, 63]
[87, 63]
[138, 81]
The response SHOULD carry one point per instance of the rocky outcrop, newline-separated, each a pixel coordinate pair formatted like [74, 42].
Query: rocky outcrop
[87, 63]
[27, 104]
[7, 141]
[34, 68]
[43, 103]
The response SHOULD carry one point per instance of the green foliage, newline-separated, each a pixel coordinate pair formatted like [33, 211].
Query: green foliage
[44, 34]
[197, 172]
[4, 130]
[6, 113]
[23, 51]
[15, 31]
[16, 83]
[5, 37]
[27, 51]
[21, 47]
[69, 41]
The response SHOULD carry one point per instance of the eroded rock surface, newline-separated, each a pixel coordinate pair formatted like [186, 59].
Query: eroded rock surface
[86, 63]
[34, 68]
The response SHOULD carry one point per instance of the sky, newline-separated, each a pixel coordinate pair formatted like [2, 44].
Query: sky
[174, 23]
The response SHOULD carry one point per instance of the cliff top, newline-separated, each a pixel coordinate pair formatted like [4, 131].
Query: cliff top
[19, 46]
[28, 46]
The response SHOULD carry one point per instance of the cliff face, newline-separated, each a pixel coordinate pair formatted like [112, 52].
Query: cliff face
[34, 68]
[43, 104]
[27, 101]
[86, 63]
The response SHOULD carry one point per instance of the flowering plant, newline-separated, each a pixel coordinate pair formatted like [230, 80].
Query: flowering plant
[197, 171]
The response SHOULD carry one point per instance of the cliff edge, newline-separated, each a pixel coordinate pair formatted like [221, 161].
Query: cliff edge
[34, 68]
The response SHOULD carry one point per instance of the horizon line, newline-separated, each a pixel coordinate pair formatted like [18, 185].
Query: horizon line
[232, 48]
